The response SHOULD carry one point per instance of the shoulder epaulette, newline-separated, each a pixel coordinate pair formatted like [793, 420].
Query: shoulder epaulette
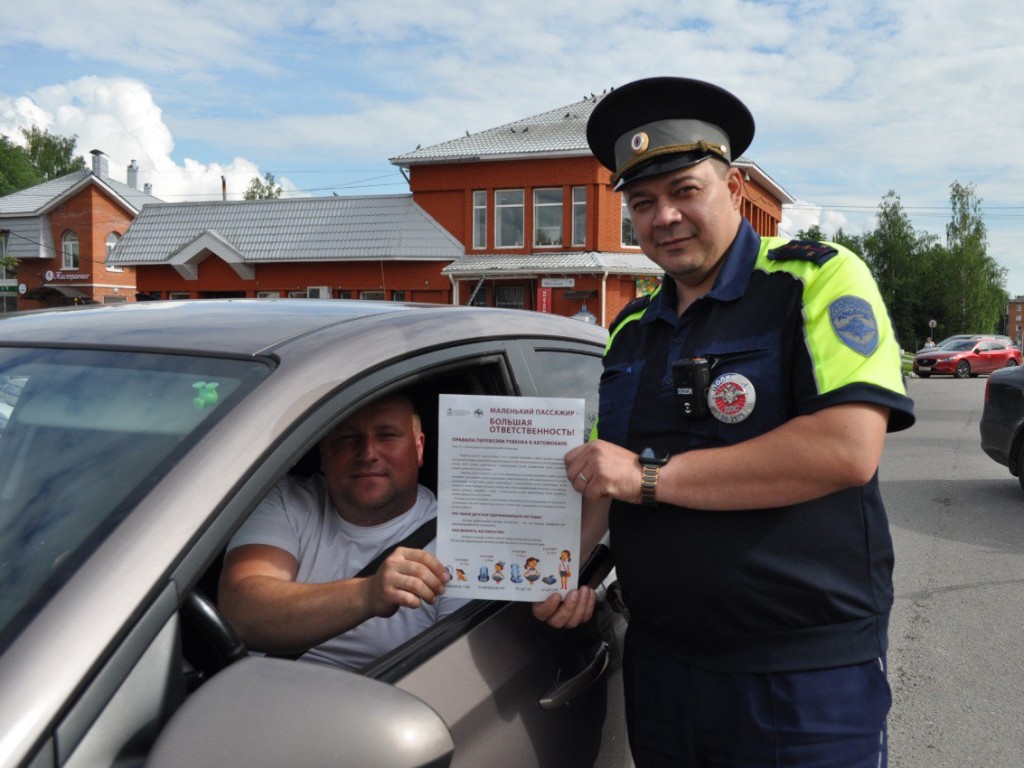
[636, 305]
[803, 250]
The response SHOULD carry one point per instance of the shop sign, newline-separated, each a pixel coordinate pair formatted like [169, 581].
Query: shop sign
[558, 282]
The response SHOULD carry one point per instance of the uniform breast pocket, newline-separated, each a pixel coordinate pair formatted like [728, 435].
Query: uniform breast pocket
[747, 386]
[618, 393]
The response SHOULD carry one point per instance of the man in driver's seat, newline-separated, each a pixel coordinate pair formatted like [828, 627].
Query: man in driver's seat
[290, 581]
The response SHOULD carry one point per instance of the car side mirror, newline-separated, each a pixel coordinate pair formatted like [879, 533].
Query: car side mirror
[263, 712]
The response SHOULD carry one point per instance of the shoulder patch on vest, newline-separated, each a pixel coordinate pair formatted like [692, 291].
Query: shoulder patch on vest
[803, 250]
[854, 322]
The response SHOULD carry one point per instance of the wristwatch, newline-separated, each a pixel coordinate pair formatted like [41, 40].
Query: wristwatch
[650, 463]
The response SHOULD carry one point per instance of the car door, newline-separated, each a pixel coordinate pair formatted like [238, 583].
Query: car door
[985, 357]
[505, 686]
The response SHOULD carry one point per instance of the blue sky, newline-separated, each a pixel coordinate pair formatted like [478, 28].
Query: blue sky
[851, 99]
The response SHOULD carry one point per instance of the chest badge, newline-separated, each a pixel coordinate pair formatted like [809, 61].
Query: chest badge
[731, 398]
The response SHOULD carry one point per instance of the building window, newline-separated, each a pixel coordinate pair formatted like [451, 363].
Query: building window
[178, 295]
[371, 295]
[478, 298]
[510, 297]
[268, 294]
[344, 294]
[480, 219]
[398, 295]
[547, 217]
[579, 215]
[112, 240]
[628, 235]
[115, 300]
[69, 250]
[296, 294]
[508, 218]
[8, 303]
[7, 271]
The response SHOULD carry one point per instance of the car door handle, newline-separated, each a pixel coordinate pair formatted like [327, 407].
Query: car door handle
[564, 691]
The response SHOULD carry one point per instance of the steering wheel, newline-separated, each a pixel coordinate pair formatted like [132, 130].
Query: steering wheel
[208, 642]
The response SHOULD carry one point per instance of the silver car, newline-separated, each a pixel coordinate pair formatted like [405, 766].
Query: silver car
[137, 439]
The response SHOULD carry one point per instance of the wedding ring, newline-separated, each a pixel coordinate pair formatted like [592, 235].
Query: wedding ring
[584, 478]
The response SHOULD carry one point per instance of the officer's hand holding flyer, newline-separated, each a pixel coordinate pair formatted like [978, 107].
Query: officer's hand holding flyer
[508, 522]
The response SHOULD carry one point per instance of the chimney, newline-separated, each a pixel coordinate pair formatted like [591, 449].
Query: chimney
[133, 175]
[223, 187]
[99, 164]
[147, 188]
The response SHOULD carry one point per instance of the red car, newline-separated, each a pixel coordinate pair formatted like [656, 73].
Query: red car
[966, 358]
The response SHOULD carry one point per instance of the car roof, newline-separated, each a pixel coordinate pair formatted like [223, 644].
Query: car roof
[253, 326]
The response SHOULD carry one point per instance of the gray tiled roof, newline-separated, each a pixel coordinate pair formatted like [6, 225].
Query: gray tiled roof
[291, 229]
[38, 199]
[560, 131]
[572, 262]
[29, 237]
[557, 133]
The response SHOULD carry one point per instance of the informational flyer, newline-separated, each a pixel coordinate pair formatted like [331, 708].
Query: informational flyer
[508, 522]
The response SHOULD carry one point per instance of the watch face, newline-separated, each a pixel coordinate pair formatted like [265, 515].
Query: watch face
[647, 457]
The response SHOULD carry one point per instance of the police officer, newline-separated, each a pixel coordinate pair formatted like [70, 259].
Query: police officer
[744, 405]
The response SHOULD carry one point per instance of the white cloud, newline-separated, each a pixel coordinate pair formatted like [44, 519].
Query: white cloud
[119, 117]
[851, 100]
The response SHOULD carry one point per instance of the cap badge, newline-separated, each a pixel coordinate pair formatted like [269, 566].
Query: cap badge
[731, 398]
[640, 142]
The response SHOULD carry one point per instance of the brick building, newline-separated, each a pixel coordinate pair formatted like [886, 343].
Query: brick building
[1015, 320]
[541, 225]
[61, 232]
[520, 216]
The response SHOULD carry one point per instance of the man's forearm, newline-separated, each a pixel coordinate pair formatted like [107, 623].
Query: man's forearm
[272, 615]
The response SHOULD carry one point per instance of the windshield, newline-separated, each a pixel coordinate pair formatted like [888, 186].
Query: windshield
[959, 346]
[83, 436]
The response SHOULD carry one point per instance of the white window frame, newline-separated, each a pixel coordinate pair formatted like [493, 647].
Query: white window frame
[112, 240]
[579, 215]
[10, 272]
[626, 228]
[479, 219]
[70, 250]
[546, 234]
[507, 210]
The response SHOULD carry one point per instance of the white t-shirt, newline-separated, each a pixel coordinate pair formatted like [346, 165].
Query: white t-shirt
[298, 517]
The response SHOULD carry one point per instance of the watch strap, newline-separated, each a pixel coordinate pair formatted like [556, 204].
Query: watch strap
[649, 484]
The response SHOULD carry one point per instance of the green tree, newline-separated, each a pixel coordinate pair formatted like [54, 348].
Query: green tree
[854, 243]
[16, 169]
[52, 155]
[813, 232]
[268, 189]
[892, 251]
[978, 283]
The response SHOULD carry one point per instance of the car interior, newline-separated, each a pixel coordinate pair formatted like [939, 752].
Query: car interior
[209, 643]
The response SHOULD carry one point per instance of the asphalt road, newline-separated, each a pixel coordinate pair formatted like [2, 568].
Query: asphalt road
[956, 658]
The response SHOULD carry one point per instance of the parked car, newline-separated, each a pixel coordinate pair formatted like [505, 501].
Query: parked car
[140, 437]
[965, 336]
[968, 357]
[1002, 420]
